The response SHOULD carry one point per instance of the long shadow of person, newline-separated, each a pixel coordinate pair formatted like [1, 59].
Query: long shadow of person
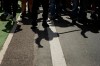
[90, 26]
[8, 27]
[43, 34]
[18, 28]
[62, 22]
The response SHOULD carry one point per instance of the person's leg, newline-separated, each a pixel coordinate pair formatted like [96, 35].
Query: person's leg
[30, 5]
[30, 8]
[0, 5]
[15, 7]
[83, 8]
[63, 5]
[93, 8]
[89, 4]
[5, 4]
[68, 3]
[98, 2]
[83, 12]
[58, 7]
[74, 14]
[34, 13]
[45, 5]
[9, 11]
[52, 8]
[23, 4]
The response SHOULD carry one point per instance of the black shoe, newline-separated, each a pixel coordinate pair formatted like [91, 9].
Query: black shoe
[45, 25]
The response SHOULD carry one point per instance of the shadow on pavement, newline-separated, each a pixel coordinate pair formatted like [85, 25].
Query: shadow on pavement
[9, 26]
[61, 22]
[43, 34]
[18, 28]
[92, 26]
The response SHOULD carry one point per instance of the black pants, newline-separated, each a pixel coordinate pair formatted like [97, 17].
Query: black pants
[0, 3]
[83, 8]
[98, 4]
[36, 4]
[5, 5]
[10, 6]
[81, 13]
[14, 5]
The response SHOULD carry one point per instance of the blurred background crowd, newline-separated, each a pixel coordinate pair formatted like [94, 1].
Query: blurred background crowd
[76, 9]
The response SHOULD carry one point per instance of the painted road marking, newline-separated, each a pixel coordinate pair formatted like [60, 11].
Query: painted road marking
[55, 47]
[7, 42]
[56, 50]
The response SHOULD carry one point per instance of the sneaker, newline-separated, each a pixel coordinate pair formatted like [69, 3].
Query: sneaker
[9, 16]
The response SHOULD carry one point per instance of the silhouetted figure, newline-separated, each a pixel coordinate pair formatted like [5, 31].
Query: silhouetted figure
[23, 3]
[79, 14]
[45, 5]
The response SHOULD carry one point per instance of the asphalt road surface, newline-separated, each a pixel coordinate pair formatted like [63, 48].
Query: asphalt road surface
[62, 44]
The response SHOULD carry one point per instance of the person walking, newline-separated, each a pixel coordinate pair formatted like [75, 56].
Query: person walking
[79, 14]
[10, 8]
[45, 5]
[13, 8]
[24, 7]
[55, 8]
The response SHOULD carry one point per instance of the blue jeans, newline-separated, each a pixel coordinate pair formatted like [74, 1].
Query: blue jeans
[52, 7]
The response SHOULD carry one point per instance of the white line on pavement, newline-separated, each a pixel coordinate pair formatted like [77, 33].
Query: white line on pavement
[56, 50]
[7, 42]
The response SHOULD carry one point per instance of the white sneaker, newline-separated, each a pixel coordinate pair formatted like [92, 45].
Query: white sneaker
[9, 16]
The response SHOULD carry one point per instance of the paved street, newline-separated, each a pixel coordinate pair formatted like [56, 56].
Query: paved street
[62, 44]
